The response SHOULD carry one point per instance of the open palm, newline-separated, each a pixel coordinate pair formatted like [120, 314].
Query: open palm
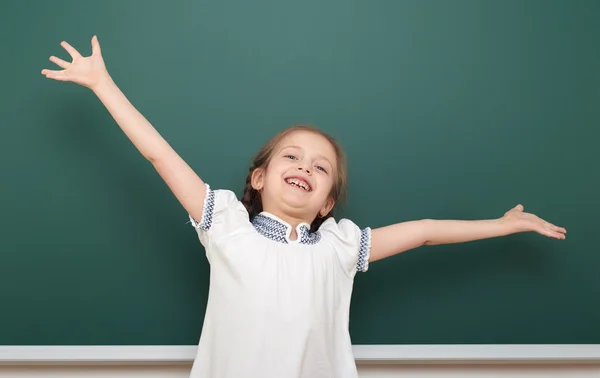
[531, 222]
[87, 71]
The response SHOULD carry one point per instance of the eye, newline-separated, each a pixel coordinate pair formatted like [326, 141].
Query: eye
[290, 157]
[321, 168]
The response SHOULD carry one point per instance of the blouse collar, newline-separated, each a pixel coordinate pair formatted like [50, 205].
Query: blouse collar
[274, 228]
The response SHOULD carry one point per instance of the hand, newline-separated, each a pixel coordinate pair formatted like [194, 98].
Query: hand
[523, 222]
[87, 71]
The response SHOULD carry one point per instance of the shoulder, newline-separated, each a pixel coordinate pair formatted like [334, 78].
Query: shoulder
[342, 229]
[351, 242]
[223, 213]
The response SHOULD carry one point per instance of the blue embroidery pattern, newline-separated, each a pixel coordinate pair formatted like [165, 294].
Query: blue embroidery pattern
[307, 237]
[270, 228]
[277, 231]
[207, 214]
[365, 245]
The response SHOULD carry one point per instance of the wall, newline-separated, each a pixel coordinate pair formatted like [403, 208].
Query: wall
[365, 371]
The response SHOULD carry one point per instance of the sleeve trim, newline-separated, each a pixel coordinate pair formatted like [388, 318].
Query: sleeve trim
[207, 211]
[364, 252]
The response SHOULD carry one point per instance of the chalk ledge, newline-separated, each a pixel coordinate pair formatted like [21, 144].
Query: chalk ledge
[364, 354]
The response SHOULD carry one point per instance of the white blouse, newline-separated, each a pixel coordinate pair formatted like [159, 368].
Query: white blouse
[276, 307]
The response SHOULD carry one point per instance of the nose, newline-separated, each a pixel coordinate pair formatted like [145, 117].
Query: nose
[304, 167]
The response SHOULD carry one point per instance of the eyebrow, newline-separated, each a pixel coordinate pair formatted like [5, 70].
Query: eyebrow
[318, 155]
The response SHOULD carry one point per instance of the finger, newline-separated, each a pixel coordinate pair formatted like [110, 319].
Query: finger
[95, 46]
[560, 236]
[59, 62]
[71, 50]
[519, 207]
[552, 234]
[47, 71]
[554, 228]
[56, 75]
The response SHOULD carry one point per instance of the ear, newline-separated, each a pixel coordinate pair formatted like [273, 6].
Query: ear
[257, 179]
[329, 204]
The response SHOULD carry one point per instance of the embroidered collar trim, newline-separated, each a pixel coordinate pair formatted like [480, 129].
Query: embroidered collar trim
[274, 228]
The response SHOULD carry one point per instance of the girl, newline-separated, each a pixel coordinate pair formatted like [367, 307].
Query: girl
[282, 267]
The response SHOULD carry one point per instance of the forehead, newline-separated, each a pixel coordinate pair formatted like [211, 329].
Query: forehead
[310, 142]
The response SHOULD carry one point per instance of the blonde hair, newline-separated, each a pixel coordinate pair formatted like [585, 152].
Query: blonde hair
[252, 198]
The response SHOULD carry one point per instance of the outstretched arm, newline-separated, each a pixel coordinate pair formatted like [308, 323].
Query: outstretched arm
[91, 72]
[393, 239]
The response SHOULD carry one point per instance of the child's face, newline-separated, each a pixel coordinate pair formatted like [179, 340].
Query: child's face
[300, 176]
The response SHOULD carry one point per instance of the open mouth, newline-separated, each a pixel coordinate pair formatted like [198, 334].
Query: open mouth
[300, 183]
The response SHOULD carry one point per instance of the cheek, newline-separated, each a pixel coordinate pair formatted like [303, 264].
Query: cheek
[277, 167]
[274, 176]
[326, 184]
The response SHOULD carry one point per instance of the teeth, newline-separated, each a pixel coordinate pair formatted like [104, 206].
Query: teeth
[298, 183]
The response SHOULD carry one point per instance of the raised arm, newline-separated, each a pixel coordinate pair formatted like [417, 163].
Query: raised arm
[396, 238]
[91, 72]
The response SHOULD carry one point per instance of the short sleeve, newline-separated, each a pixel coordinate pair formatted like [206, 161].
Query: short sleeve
[222, 215]
[352, 243]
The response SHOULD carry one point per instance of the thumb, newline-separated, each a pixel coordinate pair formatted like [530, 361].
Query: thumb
[95, 46]
[519, 207]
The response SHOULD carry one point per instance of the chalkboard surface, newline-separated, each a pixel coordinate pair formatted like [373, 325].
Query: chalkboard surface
[447, 109]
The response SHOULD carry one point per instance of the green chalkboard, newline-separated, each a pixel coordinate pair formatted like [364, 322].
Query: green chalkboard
[447, 109]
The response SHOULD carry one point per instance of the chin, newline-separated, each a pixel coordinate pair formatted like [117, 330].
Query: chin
[295, 204]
